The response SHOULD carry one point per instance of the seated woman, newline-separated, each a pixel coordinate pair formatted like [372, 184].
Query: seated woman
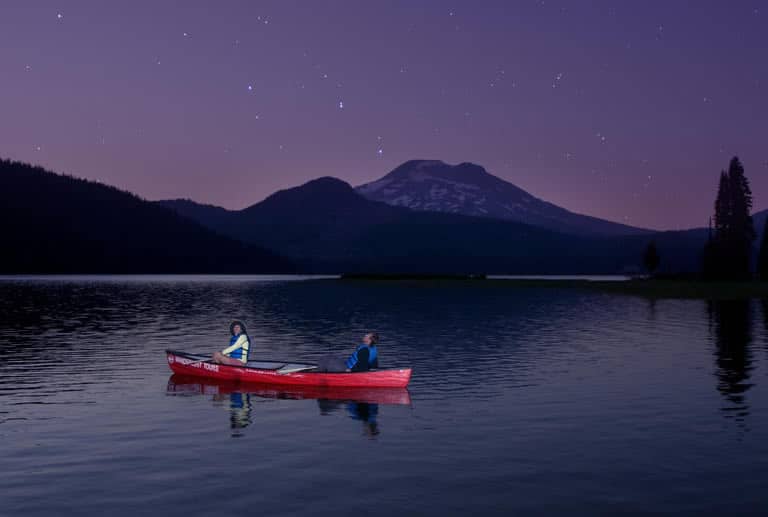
[364, 358]
[236, 354]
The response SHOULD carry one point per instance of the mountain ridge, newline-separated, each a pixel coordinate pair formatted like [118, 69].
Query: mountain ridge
[347, 232]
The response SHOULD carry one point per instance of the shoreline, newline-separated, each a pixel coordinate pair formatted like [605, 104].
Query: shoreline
[647, 288]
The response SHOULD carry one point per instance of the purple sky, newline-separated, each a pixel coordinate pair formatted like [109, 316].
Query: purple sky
[622, 110]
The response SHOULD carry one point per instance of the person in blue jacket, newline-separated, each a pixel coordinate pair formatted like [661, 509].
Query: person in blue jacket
[365, 357]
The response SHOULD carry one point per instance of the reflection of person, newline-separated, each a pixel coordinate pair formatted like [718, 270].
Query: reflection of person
[236, 354]
[366, 413]
[239, 412]
[364, 358]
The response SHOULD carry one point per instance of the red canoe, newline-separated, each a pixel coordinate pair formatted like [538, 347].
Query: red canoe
[284, 373]
[182, 385]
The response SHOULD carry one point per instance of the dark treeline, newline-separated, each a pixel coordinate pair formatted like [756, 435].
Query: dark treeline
[59, 224]
[728, 253]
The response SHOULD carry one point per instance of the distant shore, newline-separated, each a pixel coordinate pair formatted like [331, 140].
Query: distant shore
[687, 287]
[650, 288]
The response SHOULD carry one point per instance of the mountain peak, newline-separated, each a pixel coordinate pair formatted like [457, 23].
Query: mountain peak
[468, 189]
[325, 185]
[321, 194]
[421, 170]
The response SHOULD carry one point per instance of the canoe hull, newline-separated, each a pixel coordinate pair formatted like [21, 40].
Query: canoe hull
[187, 364]
[183, 385]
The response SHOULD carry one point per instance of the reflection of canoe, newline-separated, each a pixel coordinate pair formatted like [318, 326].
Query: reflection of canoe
[182, 384]
[285, 373]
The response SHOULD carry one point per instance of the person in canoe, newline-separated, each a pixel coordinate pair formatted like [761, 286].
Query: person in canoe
[236, 354]
[365, 357]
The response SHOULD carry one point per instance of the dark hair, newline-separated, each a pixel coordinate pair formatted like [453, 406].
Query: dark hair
[232, 327]
[374, 338]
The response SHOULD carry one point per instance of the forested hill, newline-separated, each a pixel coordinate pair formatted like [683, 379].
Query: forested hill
[53, 223]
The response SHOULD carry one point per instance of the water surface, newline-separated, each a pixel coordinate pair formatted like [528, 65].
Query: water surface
[523, 400]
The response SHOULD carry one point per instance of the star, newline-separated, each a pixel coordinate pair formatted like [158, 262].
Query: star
[380, 151]
[250, 87]
[59, 16]
[341, 105]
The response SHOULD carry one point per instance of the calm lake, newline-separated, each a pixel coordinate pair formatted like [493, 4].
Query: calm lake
[529, 400]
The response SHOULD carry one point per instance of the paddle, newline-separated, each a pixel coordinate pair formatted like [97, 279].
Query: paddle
[299, 368]
[198, 361]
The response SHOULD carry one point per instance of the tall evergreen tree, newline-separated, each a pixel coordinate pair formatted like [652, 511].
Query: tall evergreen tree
[651, 258]
[727, 255]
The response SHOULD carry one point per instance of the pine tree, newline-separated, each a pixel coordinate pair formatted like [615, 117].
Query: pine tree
[712, 264]
[722, 205]
[727, 254]
[651, 258]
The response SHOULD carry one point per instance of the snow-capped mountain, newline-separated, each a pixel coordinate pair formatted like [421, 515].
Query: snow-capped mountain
[468, 189]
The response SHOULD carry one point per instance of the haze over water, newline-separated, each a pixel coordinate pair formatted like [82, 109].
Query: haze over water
[545, 400]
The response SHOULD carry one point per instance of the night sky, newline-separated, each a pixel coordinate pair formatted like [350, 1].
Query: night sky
[622, 110]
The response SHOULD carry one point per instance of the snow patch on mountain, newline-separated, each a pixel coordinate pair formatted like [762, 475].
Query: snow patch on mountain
[468, 189]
